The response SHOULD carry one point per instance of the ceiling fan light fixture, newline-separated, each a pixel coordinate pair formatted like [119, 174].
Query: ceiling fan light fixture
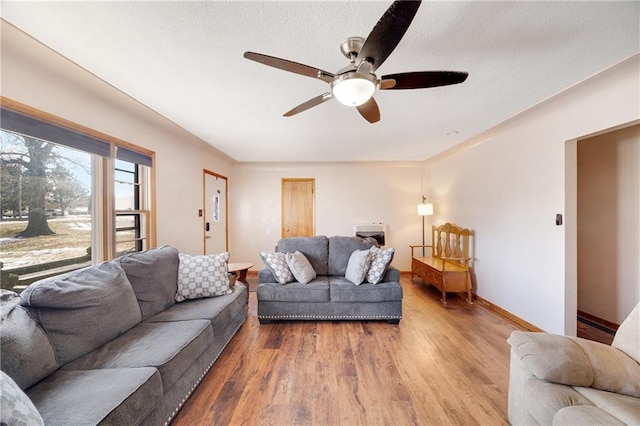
[354, 88]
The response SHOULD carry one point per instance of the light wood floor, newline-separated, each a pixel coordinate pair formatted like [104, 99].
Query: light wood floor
[441, 365]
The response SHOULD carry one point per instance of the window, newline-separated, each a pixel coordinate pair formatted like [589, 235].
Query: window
[132, 214]
[68, 198]
[216, 208]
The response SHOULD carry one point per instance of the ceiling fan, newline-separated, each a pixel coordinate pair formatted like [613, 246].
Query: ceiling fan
[355, 84]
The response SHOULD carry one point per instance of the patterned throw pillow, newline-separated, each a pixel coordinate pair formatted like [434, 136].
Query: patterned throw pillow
[277, 263]
[202, 276]
[15, 407]
[380, 260]
[300, 267]
[359, 263]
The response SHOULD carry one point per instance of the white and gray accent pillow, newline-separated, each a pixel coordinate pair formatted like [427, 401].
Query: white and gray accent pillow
[380, 260]
[277, 263]
[359, 263]
[203, 276]
[15, 407]
[300, 267]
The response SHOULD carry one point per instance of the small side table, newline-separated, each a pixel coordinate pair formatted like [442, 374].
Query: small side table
[240, 269]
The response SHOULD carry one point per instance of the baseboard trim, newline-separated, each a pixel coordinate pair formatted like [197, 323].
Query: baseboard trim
[608, 325]
[508, 315]
[498, 310]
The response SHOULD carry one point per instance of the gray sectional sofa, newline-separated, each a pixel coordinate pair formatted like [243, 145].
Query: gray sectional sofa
[109, 345]
[329, 296]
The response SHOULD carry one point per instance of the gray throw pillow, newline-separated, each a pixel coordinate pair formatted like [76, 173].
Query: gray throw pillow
[380, 260]
[300, 267]
[359, 263]
[277, 263]
[203, 276]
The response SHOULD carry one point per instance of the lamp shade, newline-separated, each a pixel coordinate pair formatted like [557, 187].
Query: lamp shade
[425, 209]
[353, 89]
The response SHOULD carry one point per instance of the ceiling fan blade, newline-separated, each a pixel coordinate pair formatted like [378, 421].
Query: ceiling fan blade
[388, 32]
[290, 66]
[309, 104]
[424, 79]
[387, 84]
[370, 111]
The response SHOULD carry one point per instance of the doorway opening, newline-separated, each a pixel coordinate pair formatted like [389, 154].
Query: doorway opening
[602, 245]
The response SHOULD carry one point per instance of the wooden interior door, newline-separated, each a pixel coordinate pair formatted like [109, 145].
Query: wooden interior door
[298, 207]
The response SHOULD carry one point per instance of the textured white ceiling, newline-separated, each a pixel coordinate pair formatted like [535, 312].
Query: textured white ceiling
[184, 60]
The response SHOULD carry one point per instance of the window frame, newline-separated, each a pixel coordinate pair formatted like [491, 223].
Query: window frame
[103, 200]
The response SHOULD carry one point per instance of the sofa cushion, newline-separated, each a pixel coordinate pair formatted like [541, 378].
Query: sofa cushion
[25, 351]
[317, 291]
[15, 406]
[584, 415]
[344, 291]
[277, 264]
[623, 407]
[543, 399]
[153, 274]
[170, 347]
[340, 249]
[84, 309]
[627, 338]
[380, 260]
[112, 397]
[219, 310]
[359, 263]
[300, 267]
[613, 370]
[315, 249]
[203, 276]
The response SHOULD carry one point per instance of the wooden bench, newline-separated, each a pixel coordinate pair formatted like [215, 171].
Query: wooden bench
[447, 266]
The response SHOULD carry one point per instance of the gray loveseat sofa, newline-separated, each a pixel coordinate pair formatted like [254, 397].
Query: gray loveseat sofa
[329, 296]
[560, 380]
[109, 345]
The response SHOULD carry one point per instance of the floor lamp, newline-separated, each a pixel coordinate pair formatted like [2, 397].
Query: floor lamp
[424, 209]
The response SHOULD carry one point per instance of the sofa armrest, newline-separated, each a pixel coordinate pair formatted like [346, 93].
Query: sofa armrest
[265, 276]
[552, 357]
[576, 362]
[392, 275]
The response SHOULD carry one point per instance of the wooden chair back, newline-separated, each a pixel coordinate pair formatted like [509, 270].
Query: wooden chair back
[451, 243]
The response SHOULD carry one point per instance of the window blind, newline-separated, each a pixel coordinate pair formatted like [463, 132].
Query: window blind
[32, 127]
[135, 157]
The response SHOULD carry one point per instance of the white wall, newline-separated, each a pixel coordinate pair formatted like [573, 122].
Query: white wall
[507, 186]
[40, 78]
[609, 223]
[346, 194]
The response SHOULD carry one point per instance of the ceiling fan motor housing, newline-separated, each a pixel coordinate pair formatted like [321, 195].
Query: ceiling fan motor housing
[351, 47]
